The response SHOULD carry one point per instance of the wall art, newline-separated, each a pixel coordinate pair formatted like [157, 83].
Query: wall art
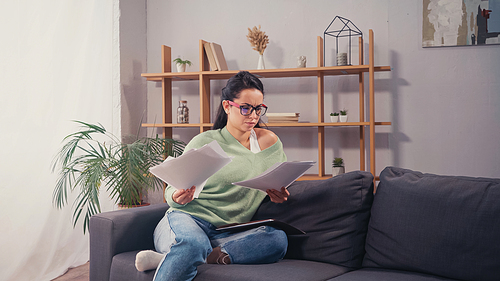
[460, 22]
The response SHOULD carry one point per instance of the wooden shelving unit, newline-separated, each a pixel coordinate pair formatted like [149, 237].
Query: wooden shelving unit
[205, 76]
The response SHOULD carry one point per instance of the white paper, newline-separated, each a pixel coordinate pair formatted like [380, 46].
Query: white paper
[193, 167]
[278, 175]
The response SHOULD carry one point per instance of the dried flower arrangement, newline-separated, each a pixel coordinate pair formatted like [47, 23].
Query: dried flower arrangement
[258, 39]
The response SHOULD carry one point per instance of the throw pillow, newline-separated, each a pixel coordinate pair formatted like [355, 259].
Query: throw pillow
[441, 225]
[334, 213]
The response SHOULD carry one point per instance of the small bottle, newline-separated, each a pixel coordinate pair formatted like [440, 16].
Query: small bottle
[182, 112]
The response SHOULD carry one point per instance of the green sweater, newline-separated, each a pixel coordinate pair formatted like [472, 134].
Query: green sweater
[221, 202]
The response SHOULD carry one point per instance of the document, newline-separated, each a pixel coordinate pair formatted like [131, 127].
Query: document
[193, 167]
[278, 175]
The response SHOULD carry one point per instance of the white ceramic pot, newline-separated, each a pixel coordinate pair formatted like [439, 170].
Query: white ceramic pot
[343, 118]
[181, 67]
[261, 64]
[334, 119]
[337, 171]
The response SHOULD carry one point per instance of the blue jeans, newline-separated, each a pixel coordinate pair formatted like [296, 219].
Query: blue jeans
[187, 241]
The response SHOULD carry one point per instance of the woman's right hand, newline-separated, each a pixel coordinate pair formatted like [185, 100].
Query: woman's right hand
[183, 196]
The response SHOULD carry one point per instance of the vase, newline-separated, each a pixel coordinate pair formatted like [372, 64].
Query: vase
[334, 119]
[261, 64]
[343, 118]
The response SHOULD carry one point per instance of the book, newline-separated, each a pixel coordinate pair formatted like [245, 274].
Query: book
[282, 119]
[210, 56]
[278, 175]
[220, 60]
[277, 120]
[286, 114]
[237, 227]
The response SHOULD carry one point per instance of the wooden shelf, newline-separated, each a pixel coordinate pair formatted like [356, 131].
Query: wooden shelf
[169, 125]
[267, 73]
[204, 77]
[294, 124]
[338, 124]
[312, 177]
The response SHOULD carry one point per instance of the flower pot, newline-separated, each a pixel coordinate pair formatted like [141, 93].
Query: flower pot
[121, 207]
[337, 171]
[334, 119]
[343, 118]
[181, 67]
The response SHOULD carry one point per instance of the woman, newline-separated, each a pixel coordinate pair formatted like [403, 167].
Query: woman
[186, 236]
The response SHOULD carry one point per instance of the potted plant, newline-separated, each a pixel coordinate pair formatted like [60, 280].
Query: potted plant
[92, 158]
[338, 166]
[334, 117]
[181, 64]
[343, 115]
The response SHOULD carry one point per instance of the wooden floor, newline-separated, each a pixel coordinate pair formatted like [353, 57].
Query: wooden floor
[80, 273]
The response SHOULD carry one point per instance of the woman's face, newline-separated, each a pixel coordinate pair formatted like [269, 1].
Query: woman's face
[235, 120]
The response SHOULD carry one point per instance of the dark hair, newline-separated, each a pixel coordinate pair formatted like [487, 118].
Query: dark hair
[241, 81]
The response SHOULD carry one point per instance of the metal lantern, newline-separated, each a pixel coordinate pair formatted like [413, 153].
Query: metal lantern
[340, 27]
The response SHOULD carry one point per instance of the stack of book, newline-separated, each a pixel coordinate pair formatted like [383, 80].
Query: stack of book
[282, 117]
[215, 56]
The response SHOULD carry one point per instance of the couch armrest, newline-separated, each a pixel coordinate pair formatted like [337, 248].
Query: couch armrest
[121, 231]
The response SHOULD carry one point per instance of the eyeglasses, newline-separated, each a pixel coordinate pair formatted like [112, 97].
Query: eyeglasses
[247, 109]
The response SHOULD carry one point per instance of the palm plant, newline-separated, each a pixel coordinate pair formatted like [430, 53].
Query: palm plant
[89, 163]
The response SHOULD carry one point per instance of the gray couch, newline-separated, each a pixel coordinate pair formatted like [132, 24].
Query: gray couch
[417, 227]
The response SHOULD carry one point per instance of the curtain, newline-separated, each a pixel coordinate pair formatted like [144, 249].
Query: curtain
[58, 63]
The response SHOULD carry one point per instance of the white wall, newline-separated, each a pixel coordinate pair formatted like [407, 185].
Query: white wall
[443, 102]
[58, 58]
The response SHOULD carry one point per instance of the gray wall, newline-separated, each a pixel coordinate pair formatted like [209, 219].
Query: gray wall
[443, 102]
[132, 64]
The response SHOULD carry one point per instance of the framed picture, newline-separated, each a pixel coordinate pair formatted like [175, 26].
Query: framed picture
[460, 22]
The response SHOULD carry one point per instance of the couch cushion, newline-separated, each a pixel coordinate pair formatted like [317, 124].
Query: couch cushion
[123, 268]
[379, 274]
[334, 213]
[289, 270]
[441, 225]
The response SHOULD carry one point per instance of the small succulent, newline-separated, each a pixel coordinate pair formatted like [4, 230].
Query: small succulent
[343, 112]
[334, 114]
[338, 162]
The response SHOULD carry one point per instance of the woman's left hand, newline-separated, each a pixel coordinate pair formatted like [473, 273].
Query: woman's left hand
[277, 196]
